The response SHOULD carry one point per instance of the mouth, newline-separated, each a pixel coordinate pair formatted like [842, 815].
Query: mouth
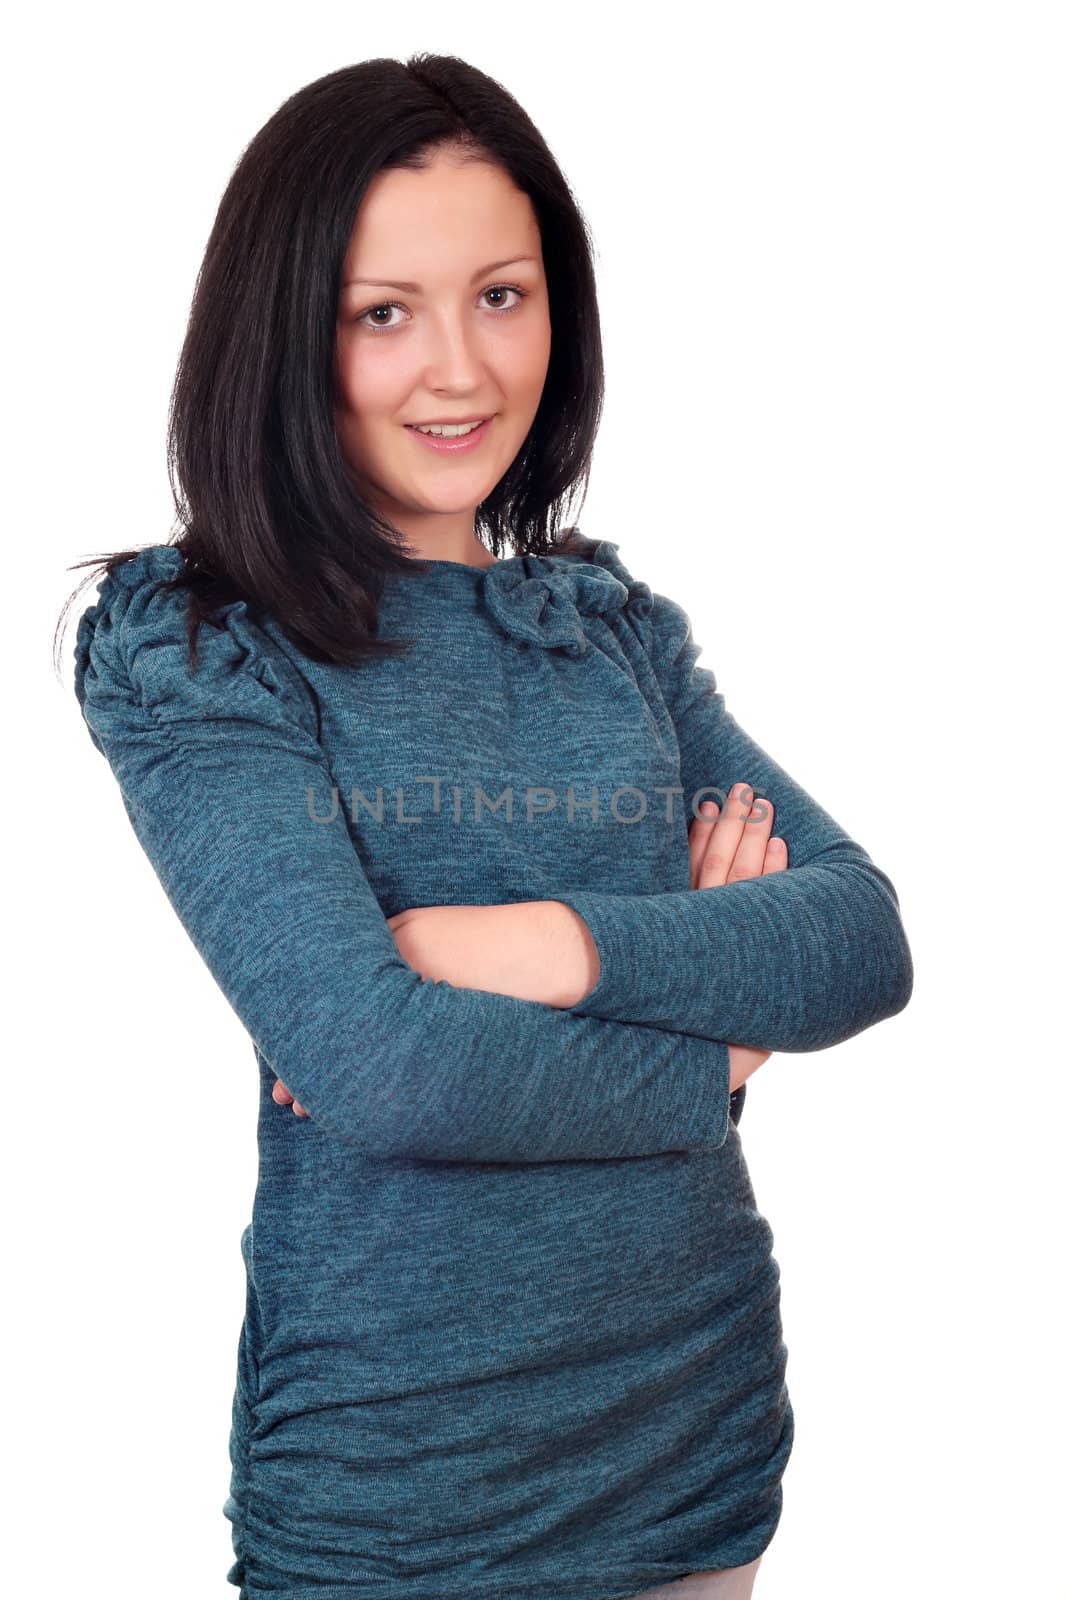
[456, 444]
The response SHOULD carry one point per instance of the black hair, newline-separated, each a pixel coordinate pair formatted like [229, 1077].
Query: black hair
[267, 509]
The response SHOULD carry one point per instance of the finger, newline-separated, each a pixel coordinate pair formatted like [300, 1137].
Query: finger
[744, 1061]
[748, 858]
[281, 1094]
[777, 857]
[298, 1108]
[699, 833]
[722, 846]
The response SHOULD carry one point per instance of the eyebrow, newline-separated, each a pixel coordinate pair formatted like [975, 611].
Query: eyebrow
[414, 288]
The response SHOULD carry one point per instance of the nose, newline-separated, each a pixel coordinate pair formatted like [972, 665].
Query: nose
[453, 357]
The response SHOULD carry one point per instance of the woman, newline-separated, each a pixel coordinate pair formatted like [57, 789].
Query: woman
[431, 816]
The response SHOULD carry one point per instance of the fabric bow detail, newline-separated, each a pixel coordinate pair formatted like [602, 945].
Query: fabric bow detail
[542, 600]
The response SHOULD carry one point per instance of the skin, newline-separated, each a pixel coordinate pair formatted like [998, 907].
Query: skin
[456, 349]
[449, 350]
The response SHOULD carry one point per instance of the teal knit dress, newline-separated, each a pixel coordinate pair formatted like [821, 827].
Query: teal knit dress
[512, 1324]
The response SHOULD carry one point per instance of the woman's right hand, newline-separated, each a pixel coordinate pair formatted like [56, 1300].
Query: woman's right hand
[730, 849]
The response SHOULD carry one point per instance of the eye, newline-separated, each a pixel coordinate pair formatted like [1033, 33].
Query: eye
[367, 318]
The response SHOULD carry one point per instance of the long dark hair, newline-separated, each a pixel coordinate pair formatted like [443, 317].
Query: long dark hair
[268, 512]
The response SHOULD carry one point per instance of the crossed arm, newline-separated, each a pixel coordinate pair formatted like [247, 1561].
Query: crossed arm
[543, 950]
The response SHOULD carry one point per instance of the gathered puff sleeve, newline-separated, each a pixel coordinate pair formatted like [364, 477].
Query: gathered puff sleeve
[797, 960]
[140, 695]
[215, 767]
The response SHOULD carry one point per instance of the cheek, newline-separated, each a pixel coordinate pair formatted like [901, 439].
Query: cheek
[370, 383]
[530, 364]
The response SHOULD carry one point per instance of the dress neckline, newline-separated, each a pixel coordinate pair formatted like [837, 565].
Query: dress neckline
[464, 566]
[460, 569]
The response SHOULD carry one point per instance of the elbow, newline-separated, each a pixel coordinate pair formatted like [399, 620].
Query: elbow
[882, 971]
[395, 1076]
[362, 1071]
[894, 960]
[868, 974]
[903, 974]
[368, 1114]
[886, 983]
[333, 1106]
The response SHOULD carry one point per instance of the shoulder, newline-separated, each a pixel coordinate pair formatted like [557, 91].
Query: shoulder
[133, 666]
[661, 624]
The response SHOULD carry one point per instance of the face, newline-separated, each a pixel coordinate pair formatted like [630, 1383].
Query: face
[451, 323]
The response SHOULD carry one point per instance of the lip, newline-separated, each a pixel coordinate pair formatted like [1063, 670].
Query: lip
[452, 447]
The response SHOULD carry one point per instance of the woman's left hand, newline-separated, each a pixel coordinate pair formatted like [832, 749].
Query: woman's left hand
[736, 846]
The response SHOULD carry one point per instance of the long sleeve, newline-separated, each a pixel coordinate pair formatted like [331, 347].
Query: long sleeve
[216, 769]
[798, 960]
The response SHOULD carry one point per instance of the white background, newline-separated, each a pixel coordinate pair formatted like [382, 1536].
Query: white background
[831, 258]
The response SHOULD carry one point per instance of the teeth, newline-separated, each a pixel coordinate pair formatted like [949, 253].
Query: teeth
[456, 432]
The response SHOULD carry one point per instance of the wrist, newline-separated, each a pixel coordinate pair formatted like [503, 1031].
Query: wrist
[577, 972]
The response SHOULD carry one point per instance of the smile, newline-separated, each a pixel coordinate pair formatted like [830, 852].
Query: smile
[449, 443]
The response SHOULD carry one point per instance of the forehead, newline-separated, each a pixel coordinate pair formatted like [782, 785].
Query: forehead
[421, 225]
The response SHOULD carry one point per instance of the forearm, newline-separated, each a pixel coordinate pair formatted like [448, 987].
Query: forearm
[531, 950]
[797, 961]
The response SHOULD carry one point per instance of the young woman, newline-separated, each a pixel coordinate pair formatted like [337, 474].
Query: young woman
[431, 814]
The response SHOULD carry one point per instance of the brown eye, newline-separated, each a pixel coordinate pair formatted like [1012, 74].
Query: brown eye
[369, 320]
[385, 305]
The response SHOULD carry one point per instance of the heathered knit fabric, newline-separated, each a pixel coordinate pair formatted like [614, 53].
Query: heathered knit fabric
[512, 1323]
